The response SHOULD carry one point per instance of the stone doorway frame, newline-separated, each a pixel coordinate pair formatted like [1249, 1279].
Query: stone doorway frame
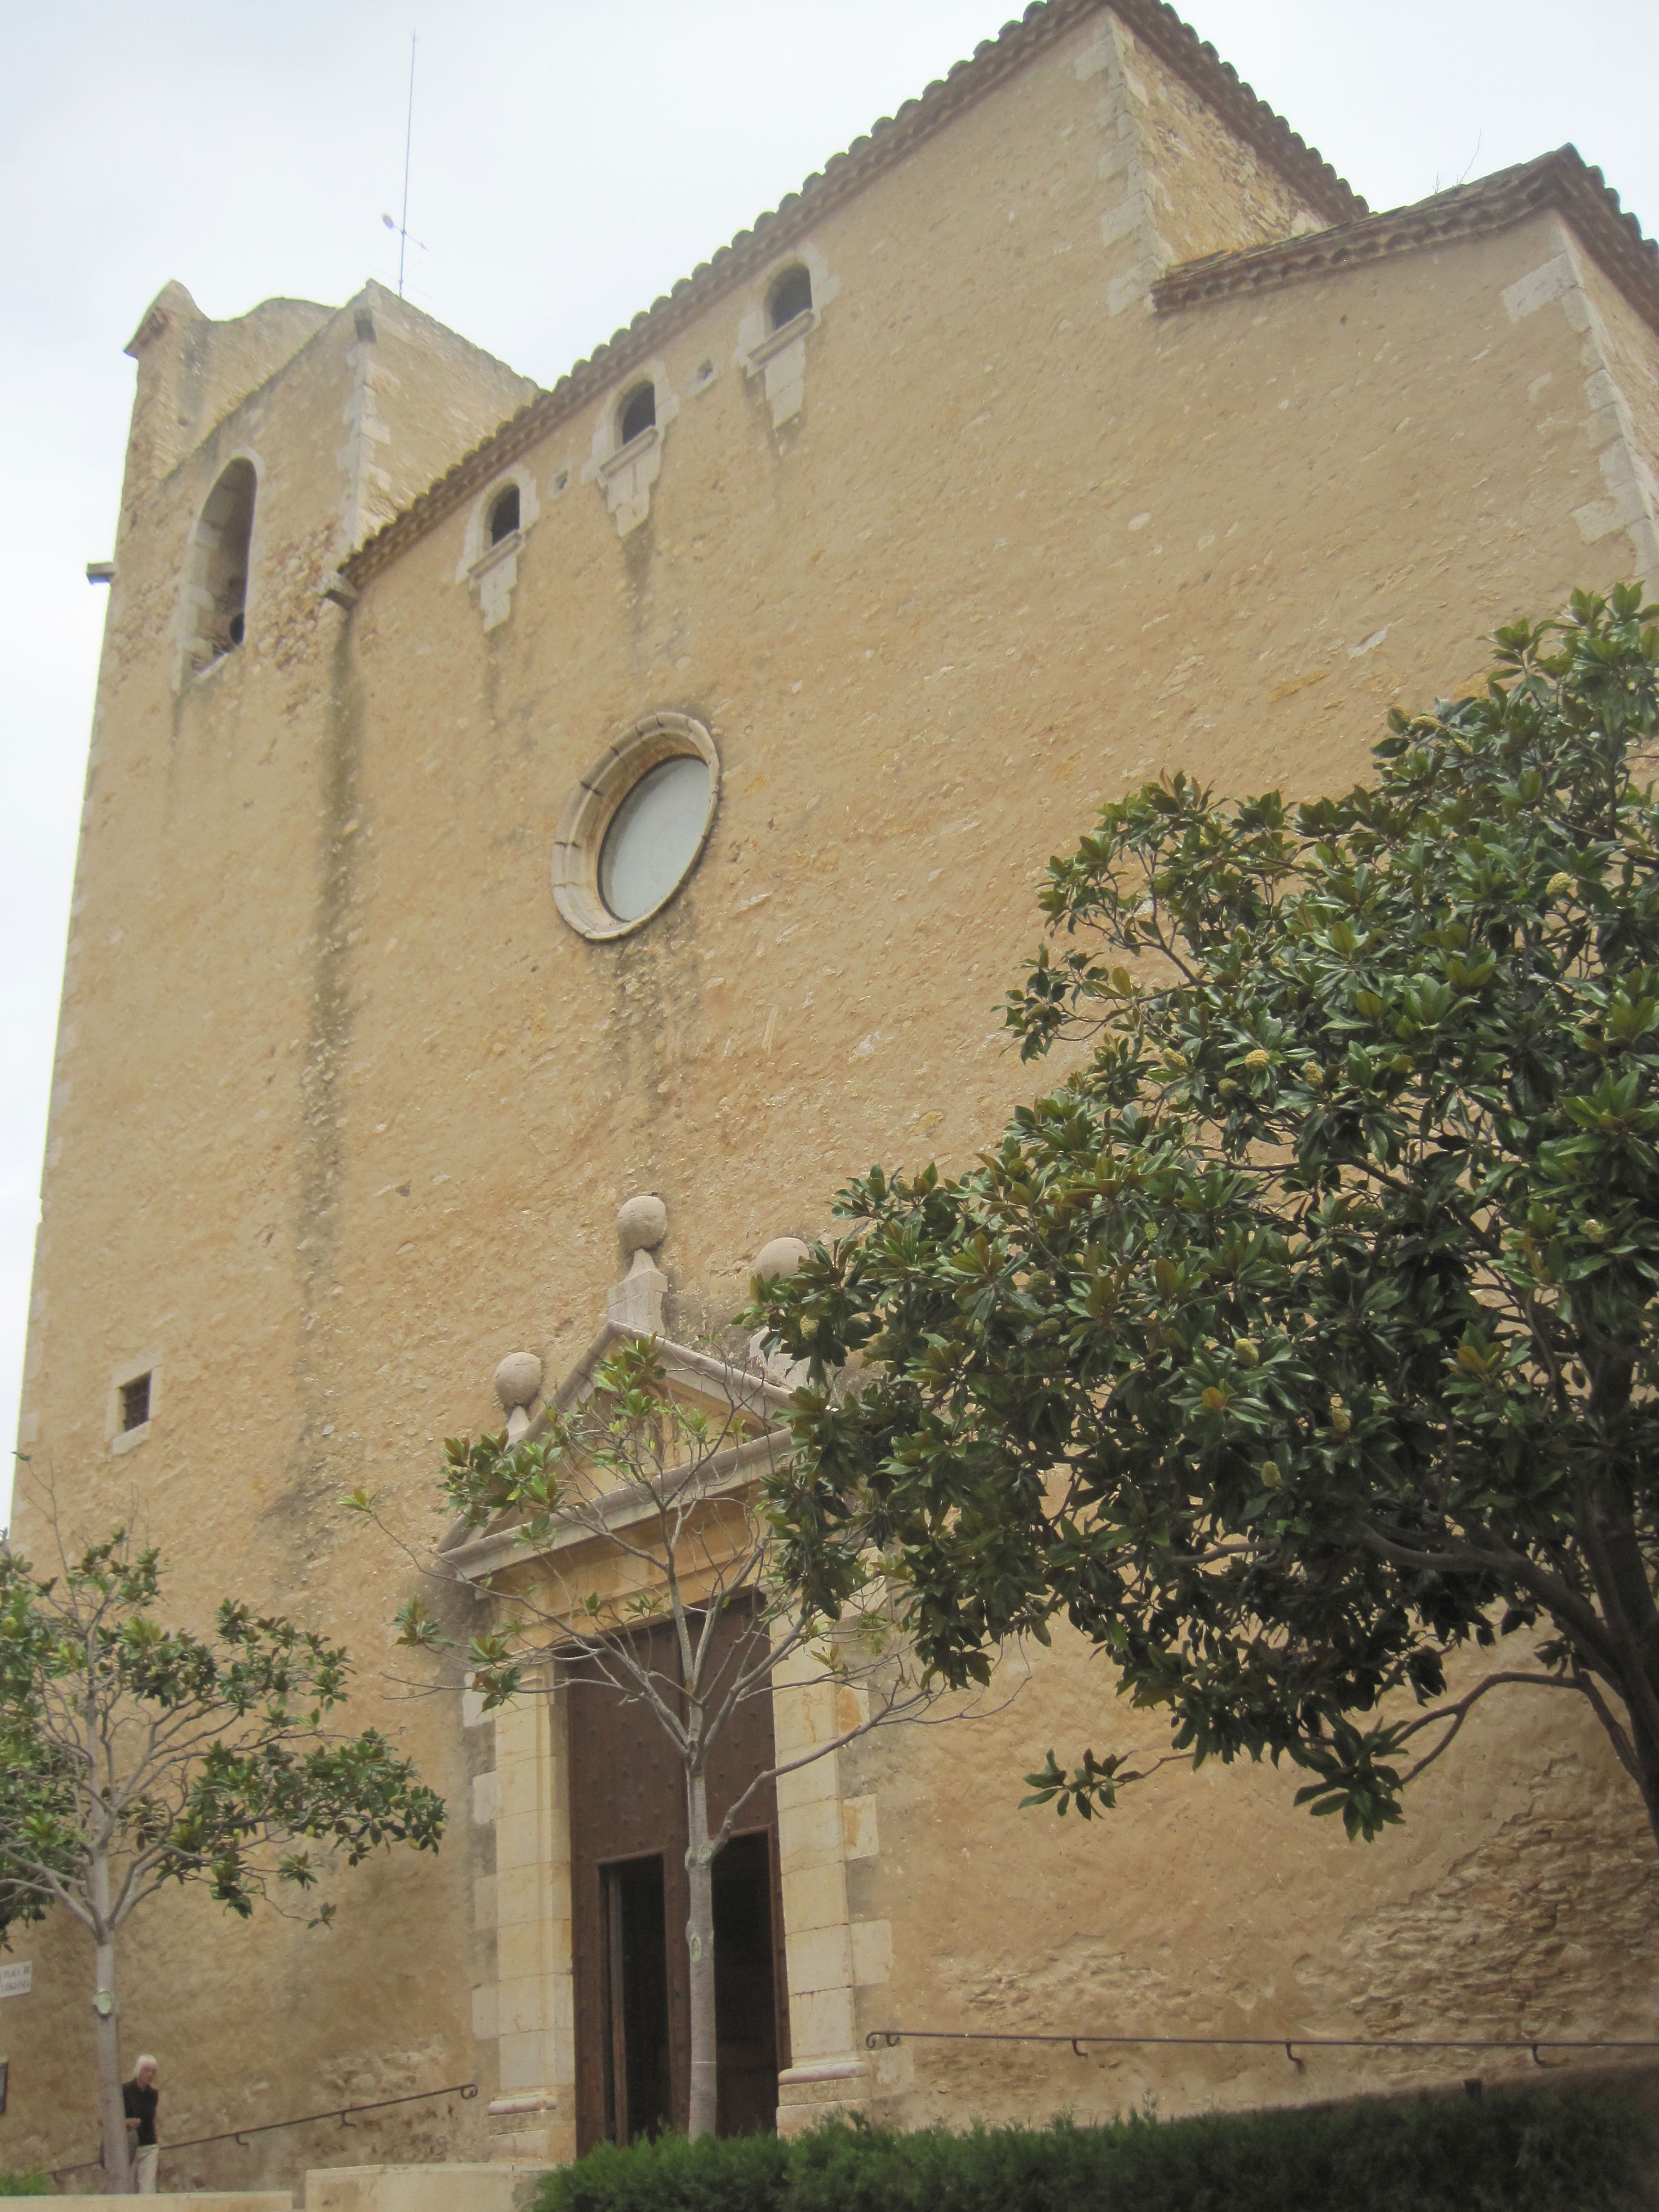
[526, 2003]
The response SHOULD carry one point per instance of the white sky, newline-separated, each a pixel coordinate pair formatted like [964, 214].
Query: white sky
[570, 161]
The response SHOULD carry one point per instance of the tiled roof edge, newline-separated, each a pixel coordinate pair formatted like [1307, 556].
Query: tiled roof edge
[1156, 25]
[1563, 180]
[1151, 22]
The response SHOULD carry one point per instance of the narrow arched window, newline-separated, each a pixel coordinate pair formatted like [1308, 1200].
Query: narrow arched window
[791, 295]
[638, 413]
[219, 565]
[504, 515]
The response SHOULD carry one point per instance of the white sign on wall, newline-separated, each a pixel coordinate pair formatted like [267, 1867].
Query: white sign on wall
[17, 1978]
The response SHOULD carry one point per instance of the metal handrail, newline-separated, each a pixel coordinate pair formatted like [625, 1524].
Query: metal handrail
[465, 2090]
[889, 2038]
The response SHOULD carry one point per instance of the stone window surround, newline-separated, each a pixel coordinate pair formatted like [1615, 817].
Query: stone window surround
[625, 473]
[493, 570]
[798, 326]
[599, 791]
[197, 547]
[626, 456]
[130, 1371]
[779, 357]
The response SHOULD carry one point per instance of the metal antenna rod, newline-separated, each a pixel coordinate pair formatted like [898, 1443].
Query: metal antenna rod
[409, 140]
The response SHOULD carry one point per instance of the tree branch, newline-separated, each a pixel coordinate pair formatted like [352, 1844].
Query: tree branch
[1458, 1712]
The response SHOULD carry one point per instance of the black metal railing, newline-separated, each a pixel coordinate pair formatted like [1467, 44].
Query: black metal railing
[888, 2038]
[465, 2090]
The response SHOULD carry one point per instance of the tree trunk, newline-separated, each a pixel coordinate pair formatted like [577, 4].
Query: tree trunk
[700, 1944]
[1641, 1738]
[1619, 1576]
[108, 2017]
[1647, 1760]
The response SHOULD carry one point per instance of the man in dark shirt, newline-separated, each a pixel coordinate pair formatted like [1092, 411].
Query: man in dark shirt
[139, 2098]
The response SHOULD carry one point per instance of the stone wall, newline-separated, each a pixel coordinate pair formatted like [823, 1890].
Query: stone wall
[345, 1109]
[200, 1047]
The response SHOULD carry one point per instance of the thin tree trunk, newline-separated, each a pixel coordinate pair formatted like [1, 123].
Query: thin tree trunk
[700, 1944]
[114, 2146]
[108, 2016]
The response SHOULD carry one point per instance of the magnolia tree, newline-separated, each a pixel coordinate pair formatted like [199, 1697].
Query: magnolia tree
[134, 1755]
[640, 1561]
[1304, 1339]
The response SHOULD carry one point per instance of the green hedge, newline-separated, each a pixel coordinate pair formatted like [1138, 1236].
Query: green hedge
[1493, 2154]
[30, 2182]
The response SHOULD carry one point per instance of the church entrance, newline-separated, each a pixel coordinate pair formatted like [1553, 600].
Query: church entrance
[629, 1904]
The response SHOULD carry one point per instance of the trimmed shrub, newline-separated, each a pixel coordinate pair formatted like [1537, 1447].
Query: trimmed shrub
[32, 2181]
[1500, 2153]
[742, 2173]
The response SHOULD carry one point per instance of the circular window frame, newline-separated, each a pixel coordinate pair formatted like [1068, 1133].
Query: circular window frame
[592, 807]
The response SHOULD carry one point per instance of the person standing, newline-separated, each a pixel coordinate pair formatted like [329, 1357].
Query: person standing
[139, 2099]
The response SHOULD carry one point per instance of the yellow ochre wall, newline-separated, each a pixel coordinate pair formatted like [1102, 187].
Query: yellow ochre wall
[344, 1110]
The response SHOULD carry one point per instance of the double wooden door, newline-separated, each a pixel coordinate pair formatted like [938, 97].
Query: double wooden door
[629, 1903]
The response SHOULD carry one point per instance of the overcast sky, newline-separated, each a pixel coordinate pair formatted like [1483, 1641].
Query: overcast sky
[570, 161]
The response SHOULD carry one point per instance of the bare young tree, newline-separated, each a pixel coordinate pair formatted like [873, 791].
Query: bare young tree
[626, 1536]
[134, 1754]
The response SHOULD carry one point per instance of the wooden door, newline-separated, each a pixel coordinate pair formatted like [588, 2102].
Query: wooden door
[626, 1805]
[628, 1841]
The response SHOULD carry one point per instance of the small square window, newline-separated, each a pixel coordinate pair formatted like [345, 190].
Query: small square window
[135, 1402]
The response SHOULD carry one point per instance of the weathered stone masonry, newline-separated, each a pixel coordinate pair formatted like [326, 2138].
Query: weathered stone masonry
[1118, 435]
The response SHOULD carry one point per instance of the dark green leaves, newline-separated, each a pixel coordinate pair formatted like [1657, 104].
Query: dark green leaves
[161, 1756]
[1092, 1783]
[1302, 1337]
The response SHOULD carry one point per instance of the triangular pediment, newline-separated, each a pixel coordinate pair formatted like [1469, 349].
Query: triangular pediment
[743, 1404]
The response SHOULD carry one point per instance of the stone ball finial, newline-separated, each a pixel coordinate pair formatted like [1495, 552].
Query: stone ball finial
[780, 1255]
[642, 1224]
[518, 1379]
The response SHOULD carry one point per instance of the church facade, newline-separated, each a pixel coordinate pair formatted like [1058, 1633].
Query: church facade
[504, 805]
